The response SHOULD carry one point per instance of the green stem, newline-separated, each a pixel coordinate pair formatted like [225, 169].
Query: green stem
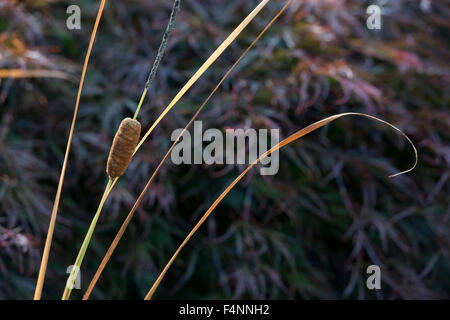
[87, 239]
[140, 103]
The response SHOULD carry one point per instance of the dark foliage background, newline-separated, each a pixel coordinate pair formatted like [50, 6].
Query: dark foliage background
[308, 232]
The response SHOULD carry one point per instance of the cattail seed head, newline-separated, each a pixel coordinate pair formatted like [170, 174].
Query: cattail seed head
[123, 146]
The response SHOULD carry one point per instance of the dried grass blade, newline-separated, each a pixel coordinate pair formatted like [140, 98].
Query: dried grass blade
[283, 143]
[33, 73]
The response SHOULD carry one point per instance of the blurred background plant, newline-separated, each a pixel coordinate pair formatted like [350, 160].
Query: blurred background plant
[308, 232]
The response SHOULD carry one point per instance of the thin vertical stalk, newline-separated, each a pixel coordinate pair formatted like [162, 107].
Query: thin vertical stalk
[51, 228]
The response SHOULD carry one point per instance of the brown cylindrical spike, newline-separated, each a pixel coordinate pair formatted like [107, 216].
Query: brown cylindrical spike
[123, 146]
